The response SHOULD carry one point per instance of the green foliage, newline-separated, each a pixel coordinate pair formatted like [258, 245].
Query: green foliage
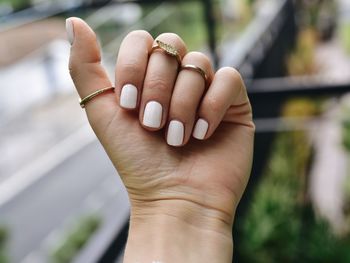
[346, 134]
[323, 246]
[346, 144]
[3, 240]
[347, 200]
[302, 59]
[16, 4]
[187, 21]
[345, 113]
[76, 239]
[347, 189]
[345, 36]
[312, 13]
[280, 225]
[271, 227]
[3, 236]
[251, 2]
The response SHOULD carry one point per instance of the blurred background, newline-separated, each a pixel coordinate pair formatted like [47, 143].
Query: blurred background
[60, 197]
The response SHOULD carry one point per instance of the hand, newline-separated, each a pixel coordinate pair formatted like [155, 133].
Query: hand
[172, 178]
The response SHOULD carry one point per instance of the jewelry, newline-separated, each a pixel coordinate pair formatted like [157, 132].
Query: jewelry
[85, 100]
[168, 49]
[197, 69]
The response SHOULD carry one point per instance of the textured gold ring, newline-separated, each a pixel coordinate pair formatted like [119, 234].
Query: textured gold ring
[167, 49]
[197, 69]
[85, 100]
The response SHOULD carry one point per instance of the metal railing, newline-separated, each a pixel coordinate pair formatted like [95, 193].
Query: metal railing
[259, 52]
[44, 10]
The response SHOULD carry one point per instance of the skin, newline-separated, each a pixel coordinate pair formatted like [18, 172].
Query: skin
[183, 199]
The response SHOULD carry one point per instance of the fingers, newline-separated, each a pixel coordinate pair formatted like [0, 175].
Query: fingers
[226, 100]
[159, 82]
[151, 82]
[188, 91]
[165, 95]
[86, 70]
[131, 68]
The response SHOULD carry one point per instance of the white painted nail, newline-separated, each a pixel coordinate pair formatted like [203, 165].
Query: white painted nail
[70, 30]
[175, 135]
[152, 116]
[200, 130]
[128, 96]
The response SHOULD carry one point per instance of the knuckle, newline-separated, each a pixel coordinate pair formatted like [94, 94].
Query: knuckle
[231, 73]
[175, 40]
[93, 70]
[233, 78]
[197, 56]
[75, 67]
[95, 57]
[139, 34]
[157, 83]
[78, 64]
[200, 60]
[169, 35]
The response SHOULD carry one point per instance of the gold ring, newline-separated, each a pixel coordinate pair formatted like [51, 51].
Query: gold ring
[85, 100]
[168, 49]
[197, 69]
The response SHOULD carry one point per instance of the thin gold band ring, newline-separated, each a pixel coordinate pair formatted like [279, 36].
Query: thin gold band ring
[167, 49]
[85, 100]
[197, 69]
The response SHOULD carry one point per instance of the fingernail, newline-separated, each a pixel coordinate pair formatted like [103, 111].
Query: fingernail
[128, 96]
[70, 30]
[200, 129]
[152, 116]
[175, 135]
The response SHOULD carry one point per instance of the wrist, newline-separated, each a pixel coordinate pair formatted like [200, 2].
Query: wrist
[178, 231]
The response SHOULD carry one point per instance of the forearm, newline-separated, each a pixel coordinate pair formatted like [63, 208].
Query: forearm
[176, 233]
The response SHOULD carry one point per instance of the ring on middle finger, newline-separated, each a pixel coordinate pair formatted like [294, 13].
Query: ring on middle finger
[198, 70]
[167, 49]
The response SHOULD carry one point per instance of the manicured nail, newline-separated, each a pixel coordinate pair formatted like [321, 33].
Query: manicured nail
[175, 135]
[152, 116]
[70, 30]
[200, 130]
[128, 96]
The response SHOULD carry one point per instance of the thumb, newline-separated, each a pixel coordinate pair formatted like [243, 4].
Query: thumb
[88, 74]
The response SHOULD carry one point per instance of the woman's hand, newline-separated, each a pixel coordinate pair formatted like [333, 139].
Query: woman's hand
[183, 191]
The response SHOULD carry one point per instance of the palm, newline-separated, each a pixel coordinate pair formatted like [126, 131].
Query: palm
[212, 173]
